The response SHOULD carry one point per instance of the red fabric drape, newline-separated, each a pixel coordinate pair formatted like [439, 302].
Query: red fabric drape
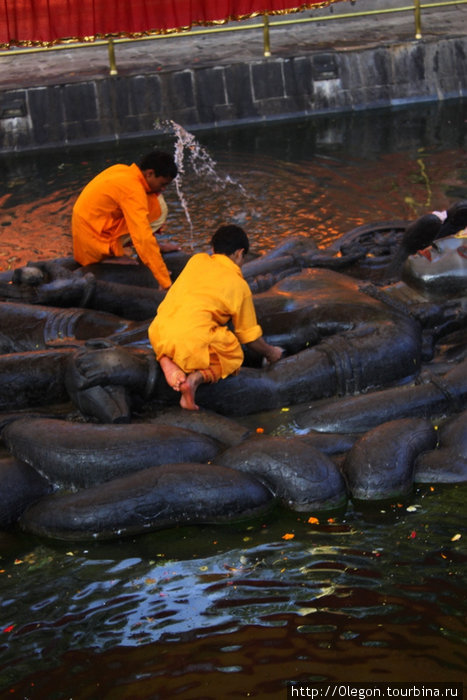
[49, 21]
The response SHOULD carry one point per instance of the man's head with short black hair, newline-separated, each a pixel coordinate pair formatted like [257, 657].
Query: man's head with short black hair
[161, 162]
[230, 238]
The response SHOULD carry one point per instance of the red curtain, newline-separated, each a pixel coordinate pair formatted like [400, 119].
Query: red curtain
[25, 22]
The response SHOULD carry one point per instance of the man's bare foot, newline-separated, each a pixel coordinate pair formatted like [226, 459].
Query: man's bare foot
[188, 389]
[174, 376]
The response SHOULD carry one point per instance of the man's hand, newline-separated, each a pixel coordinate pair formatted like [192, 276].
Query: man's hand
[168, 247]
[274, 354]
[271, 353]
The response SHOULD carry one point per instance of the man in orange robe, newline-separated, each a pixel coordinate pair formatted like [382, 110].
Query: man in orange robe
[189, 334]
[124, 200]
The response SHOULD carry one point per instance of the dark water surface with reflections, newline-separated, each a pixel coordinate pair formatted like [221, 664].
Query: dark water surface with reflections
[236, 611]
[316, 178]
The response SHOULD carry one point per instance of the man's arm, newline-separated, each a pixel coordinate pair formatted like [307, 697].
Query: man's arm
[135, 211]
[272, 353]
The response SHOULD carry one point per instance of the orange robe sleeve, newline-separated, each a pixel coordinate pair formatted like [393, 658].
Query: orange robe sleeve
[135, 211]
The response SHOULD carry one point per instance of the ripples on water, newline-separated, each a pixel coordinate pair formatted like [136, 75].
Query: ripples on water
[315, 178]
[226, 611]
[236, 611]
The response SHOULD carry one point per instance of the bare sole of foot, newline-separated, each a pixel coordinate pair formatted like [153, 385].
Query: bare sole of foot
[188, 389]
[174, 376]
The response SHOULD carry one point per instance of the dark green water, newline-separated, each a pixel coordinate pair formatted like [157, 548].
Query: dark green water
[237, 611]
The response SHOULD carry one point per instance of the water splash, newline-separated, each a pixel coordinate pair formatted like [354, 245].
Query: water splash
[189, 152]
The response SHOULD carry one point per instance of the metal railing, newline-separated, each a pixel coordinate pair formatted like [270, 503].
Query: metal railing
[266, 25]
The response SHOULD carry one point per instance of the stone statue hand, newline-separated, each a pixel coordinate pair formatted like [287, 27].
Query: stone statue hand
[74, 291]
[51, 285]
[100, 363]
[431, 314]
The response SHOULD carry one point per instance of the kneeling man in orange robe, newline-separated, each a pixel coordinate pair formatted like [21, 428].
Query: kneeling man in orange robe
[190, 333]
[125, 200]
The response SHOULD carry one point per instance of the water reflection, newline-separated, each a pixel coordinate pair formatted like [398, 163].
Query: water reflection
[316, 178]
[236, 611]
[178, 609]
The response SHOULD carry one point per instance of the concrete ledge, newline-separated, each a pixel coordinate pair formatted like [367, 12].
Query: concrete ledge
[126, 106]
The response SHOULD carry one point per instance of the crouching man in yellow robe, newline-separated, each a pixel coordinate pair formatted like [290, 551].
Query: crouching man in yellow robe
[189, 334]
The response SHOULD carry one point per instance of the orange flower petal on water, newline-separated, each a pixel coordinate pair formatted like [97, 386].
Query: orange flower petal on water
[288, 536]
[313, 520]
[260, 430]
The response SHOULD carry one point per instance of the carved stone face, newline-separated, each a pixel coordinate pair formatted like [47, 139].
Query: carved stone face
[440, 269]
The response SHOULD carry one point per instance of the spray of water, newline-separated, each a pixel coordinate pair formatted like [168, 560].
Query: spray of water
[189, 152]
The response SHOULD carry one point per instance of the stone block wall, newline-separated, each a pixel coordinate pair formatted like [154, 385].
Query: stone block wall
[121, 107]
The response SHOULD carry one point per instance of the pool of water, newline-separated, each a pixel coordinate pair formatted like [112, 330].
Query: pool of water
[317, 178]
[237, 611]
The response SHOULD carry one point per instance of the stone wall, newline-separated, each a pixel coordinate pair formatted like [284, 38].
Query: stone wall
[121, 107]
